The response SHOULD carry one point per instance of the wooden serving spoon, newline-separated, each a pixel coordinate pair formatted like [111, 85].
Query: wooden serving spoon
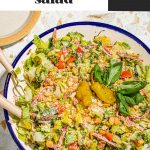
[10, 107]
[4, 103]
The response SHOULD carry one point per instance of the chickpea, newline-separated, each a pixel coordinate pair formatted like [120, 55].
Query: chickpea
[86, 55]
[149, 125]
[49, 144]
[102, 132]
[88, 119]
[116, 121]
[140, 142]
[97, 121]
[136, 107]
[86, 110]
[111, 120]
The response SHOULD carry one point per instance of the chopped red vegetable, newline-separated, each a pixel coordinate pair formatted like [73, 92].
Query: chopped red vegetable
[109, 136]
[73, 146]
[60, 109]
[60, 65]
[71, 60]
[126, 74]
[80, 50]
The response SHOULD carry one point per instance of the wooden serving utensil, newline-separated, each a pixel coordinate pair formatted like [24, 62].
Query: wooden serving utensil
[10, 107]
[4, 103]
[17, 89]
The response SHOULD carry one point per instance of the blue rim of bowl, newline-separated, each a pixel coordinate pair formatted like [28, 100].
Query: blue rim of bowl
[98, 24]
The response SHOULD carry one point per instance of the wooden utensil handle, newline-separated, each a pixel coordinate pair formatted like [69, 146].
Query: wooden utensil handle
[4, 103]
[4, 62]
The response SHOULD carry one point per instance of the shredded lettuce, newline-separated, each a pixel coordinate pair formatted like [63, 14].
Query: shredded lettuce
[58, 125]
[22, 137]
[25, 123]
[75, 36]
[28, 64]
[30, 74]
[148, 73]
[41, 106]
[50, 112]
[123, 45]
[40, 44]
[38, 137]
[22, 101]
[25, 113]
[28, 93]
[70, 137]
[119, 129]
[18, 71]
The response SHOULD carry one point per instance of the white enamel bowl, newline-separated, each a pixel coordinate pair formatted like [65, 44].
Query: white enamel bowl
[89, 30]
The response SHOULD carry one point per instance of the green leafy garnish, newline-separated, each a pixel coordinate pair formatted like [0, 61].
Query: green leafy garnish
[114, 72]
[126, 101]
[131, 87]
[123, 106]
[108, 76]
[98, 74]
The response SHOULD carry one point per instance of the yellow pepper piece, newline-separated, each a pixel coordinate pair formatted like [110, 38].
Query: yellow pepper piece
[84, 94]
[103, 93]
[104, 39]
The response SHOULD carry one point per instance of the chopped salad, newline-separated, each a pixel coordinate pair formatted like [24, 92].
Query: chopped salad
[84, 95]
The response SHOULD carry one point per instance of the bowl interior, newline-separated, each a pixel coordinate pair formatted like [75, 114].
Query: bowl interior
[89, 30]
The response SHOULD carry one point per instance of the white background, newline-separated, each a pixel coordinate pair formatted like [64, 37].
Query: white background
[94, 5]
